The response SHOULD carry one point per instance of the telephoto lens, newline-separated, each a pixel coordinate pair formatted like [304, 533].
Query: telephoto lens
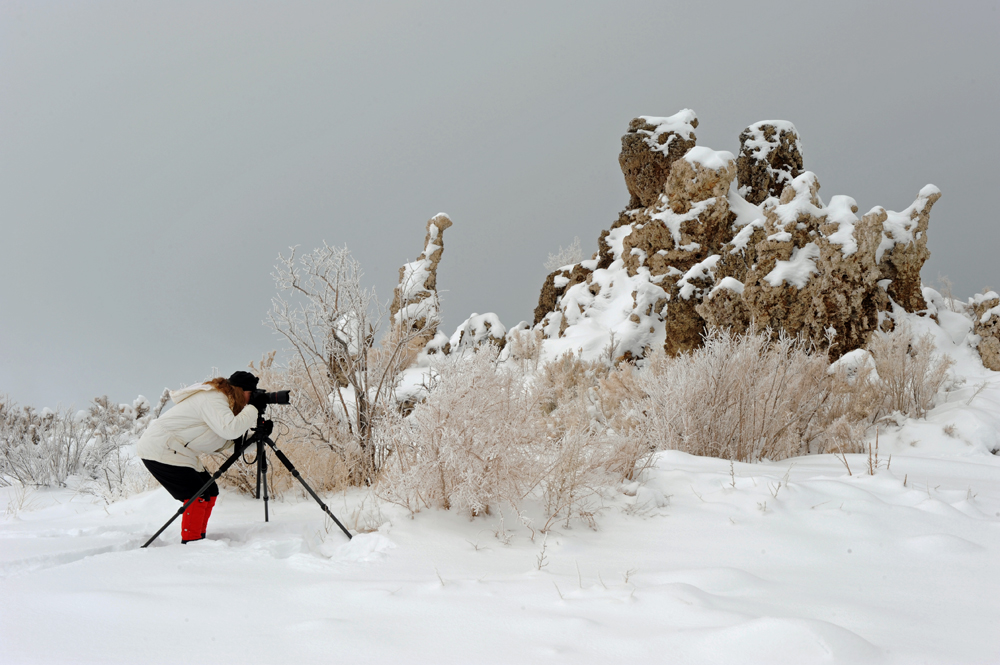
[279, 397]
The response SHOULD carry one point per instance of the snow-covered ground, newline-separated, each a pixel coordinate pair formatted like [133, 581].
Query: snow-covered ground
[790, 562]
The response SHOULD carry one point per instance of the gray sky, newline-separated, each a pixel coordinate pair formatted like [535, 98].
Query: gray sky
[156, 157]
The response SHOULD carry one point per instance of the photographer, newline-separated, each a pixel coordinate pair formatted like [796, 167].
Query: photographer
[205, 419]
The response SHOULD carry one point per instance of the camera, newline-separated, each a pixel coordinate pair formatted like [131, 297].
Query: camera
[280, 397]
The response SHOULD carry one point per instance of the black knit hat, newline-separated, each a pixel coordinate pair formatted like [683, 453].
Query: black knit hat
[243, 380]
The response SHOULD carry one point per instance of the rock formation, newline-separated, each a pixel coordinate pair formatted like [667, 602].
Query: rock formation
[415, 306]
[649, 148]
[770, 158]
[903, 250]
[709, 239]
[986, 307]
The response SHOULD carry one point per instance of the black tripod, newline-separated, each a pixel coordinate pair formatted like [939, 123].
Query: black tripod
[261, 437]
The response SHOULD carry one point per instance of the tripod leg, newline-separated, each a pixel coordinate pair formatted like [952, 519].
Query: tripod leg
[215, 476]
[291, 468]
[256, 493]
[262, 473]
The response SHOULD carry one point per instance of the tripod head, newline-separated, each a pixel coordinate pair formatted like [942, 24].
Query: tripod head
[260, 399]
[262, 430]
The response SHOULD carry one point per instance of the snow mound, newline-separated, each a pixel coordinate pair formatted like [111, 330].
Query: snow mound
[363, 547]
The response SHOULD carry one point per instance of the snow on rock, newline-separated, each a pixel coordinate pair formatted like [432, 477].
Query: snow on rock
[556, 284]
[476, 330]
[770, 158]
[415, 307]
[713, 160]
[810, 268]
[642, 261]
[903, 250]
[986, 325]
[797, 269]
[700, 277]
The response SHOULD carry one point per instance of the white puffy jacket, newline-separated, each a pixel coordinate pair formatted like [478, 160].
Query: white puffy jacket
[201, 422]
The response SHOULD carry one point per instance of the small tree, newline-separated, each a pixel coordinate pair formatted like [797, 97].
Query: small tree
[343, 381]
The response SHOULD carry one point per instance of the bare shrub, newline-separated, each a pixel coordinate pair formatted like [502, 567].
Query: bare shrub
[471, 444]
[524, 346]
[576, 474]
[742, 397]
[566, 390]
[579, 468]
[739, 397]
[755, 396]
[909, 373]
[40, 448]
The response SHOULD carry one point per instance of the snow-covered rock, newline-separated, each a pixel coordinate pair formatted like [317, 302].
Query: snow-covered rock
[770, 158]
[415, 305]
[649, 148]
[986, 325]
[698, 218]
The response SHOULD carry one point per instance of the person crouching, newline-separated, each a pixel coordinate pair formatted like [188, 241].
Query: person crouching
[206, 417]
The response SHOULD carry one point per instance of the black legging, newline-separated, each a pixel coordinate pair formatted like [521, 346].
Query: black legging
[182, 482]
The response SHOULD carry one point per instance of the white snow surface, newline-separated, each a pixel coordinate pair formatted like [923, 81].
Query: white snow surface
[980, 298]
[704, 270]
[807, 560]
[841, 212]
[791, 562]
[730, 283]
[673, 222]
[746, 212]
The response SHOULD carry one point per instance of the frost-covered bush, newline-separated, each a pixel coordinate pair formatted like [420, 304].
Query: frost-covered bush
[742, 397]
[908, 372]
[565, 256]
[40, 448]
[342, 381]
[471, 444]
[750, 397]
[565, 388]
[45, 448]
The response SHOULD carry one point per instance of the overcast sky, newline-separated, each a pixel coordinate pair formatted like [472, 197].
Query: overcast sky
[156, 157]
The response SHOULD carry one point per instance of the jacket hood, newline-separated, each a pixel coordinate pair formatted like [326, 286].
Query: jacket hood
[178, 396]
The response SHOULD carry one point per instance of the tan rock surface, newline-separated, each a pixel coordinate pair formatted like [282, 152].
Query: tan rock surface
[986, 307]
